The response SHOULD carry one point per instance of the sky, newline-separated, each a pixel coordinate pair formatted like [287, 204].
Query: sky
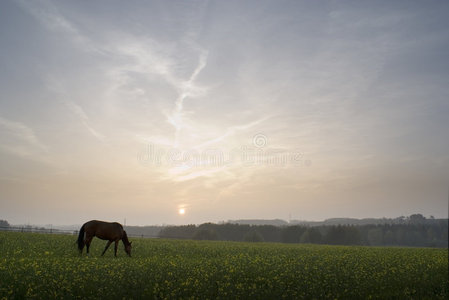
[184, 112]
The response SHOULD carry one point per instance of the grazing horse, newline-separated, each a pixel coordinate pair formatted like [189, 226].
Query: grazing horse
[112, 232]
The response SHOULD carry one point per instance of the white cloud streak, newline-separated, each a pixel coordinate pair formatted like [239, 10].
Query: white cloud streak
[78, 111]
[20, 139]
[56, 86]
[186, 89]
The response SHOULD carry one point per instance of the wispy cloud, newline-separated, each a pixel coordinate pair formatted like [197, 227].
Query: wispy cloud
[151, 60]
[78, 111]
[49, 16]
[20, 139]
[180, 174]
[186, 89]
[56, 86]
[231, 131]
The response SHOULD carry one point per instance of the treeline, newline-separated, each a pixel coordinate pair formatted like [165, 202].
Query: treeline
[4, 223]
[412, 219]
[426, 234]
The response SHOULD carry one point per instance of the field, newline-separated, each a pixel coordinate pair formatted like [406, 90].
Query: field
[40, 266]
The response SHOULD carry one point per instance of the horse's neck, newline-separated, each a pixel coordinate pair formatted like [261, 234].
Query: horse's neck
[125, 238]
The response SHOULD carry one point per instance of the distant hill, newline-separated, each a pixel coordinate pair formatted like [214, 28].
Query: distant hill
[414, 219]
[349, 221]
[333, 221]
[275, 222]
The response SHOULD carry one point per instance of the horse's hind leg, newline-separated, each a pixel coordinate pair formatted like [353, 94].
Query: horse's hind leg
[87, 241]
[106, 248]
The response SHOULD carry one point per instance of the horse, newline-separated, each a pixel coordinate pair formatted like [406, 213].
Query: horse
[112, 232]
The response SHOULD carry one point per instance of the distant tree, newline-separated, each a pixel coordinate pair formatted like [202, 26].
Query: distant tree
[206, 231]
[311, 235]
[444, 236]
[389, 238]
[292, 234]
[414, 238]
[270, 233]
[343, 235]
[305, 237]
[375, 237]
[417, 219]
[400, 234]
[253, 236]
[431, 237]
[205, 234]
[400, 220]
[229, 232]
[4, 223]
[335, 235]
[315, 235]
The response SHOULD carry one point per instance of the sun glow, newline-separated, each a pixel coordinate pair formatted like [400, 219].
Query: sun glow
[181, 211]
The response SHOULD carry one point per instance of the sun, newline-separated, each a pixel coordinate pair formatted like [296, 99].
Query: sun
[181, 211]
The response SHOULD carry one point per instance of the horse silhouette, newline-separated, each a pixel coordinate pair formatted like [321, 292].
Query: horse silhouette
[112, 232]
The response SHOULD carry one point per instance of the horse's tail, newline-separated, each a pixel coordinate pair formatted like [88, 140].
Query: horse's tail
[80, 240]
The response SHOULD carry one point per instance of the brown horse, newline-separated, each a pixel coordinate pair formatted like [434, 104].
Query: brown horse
[112, 232]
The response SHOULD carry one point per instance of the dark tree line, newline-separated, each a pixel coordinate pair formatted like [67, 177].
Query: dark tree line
[418, 234]
[4, 223]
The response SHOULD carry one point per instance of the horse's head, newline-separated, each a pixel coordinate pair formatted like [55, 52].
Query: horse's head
[128, 249]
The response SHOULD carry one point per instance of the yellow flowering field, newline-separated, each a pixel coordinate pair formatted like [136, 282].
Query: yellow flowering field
[42, 266]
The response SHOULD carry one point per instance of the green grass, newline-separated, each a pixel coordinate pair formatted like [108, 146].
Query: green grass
[39, 266]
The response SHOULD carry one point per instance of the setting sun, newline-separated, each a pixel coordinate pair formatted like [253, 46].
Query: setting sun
[181, 211]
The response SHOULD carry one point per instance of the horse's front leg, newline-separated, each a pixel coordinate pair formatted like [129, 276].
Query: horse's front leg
[106, 248]
[115, 248]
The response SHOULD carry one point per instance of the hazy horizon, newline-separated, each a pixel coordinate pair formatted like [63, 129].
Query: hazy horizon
[206, 111]
[124, 222]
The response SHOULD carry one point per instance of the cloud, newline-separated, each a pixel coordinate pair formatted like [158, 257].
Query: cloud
[57, 87]
[184, 176]
[359, 90]
[133, 55]
[50, 17]
[78, 111]
[231, 131]
[186, 89]
[155, 61]
[19, 139]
